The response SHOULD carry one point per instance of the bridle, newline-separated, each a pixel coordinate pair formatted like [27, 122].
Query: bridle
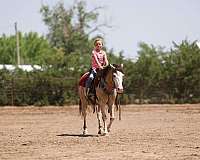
[108, 88]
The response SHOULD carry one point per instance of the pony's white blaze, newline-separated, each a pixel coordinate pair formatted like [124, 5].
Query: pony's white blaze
[118, 79]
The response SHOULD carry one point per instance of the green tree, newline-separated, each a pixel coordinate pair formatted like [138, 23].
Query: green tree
[7, 49]
[181, 68]
[70, 28]
[35, 49]
[147, 72]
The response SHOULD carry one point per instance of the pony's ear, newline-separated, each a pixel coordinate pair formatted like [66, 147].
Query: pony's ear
[112, 66]
[120, 68]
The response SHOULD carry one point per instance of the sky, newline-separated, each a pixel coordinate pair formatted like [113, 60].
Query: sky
[157, 22]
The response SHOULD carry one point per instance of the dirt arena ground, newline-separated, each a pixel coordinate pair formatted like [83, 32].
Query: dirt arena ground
[146, 132]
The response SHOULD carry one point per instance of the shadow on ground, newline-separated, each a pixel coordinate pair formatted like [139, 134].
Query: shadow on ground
[77, 135]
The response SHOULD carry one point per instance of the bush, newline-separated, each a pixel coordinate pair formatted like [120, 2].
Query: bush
[36, 88]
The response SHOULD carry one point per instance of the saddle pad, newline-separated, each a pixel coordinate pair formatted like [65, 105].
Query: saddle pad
[83, 79]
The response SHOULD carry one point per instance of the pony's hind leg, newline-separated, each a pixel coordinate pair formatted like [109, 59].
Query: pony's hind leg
[85, 131]
[83, 108]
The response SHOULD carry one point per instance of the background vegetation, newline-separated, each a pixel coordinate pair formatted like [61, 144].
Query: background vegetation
[157, 76]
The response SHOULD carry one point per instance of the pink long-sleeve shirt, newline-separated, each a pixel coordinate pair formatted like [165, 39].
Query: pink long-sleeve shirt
[98, 59]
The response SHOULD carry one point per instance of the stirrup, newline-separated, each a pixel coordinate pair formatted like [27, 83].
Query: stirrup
[87, 91]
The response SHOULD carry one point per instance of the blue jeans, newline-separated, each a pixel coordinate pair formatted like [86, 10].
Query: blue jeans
[90, 78]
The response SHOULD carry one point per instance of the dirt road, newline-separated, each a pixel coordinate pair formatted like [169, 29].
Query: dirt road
[146, 132]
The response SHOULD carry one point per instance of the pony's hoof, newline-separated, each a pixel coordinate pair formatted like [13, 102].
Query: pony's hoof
[85, 132]
[105, 134]
[100, 131]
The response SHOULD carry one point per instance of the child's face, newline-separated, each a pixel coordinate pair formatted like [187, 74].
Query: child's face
[98, 45]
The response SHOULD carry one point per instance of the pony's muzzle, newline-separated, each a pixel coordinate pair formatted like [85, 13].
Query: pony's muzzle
[119, 90]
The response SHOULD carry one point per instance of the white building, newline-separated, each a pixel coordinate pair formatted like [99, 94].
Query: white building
[27, 68]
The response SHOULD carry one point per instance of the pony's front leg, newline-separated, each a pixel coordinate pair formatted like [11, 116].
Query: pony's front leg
[112, 116]
[103, 111]
[99, 118]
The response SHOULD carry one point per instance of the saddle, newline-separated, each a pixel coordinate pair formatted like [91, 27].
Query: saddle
[94, 84]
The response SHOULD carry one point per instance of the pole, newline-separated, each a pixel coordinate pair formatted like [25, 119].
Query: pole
[17, 43]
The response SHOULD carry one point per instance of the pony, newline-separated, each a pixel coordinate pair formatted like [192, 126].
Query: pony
[107, 85]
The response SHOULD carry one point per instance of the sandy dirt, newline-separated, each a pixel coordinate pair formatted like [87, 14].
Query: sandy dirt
[146, 132]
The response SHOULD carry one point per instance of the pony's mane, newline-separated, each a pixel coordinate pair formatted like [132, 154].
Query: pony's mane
[105, 70]
[108, 67]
